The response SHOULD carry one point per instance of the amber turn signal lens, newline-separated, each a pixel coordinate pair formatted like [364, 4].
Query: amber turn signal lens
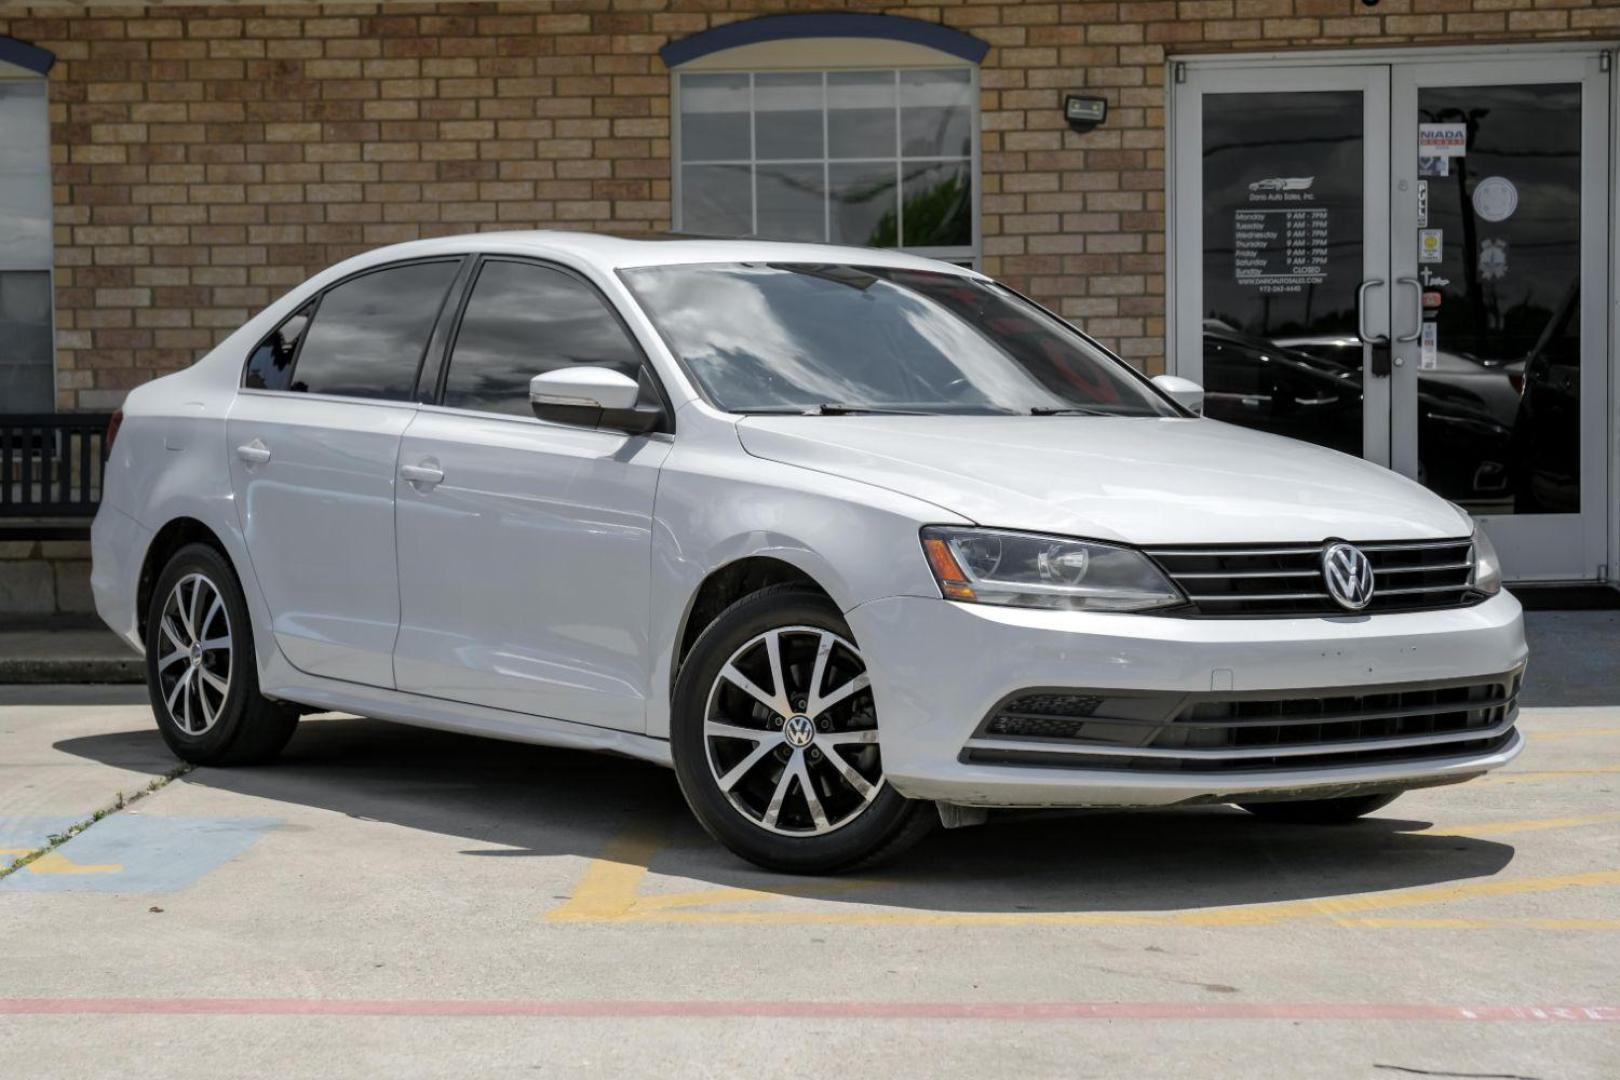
[947, 571]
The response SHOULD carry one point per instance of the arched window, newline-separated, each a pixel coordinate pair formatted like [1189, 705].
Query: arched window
[27, 367]
[850, 128]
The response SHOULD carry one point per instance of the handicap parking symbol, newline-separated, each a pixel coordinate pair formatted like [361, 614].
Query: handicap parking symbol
[124, 852]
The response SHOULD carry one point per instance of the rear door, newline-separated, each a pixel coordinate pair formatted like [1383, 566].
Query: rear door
[313, 438]
[525, 545]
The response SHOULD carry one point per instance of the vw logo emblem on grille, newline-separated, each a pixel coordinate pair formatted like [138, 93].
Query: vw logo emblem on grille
[798, 731]
[1348, 574]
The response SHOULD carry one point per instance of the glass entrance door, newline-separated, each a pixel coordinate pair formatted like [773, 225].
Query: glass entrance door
[1282, 204]
[1499, 228]
[1388, 259]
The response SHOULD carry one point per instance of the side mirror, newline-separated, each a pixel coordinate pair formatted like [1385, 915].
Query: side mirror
[589, 396]
[1184, 392]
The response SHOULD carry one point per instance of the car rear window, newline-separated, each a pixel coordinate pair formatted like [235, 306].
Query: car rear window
[369, 333]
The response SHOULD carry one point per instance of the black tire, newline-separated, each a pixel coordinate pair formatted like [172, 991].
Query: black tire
[1320, 811]
[238, 726]
[886, 824]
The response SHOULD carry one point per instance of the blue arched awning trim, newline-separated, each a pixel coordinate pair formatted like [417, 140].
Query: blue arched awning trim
[28, 56]
[828, 24]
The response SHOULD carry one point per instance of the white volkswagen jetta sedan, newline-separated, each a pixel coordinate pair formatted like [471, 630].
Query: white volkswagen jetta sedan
[854, 540]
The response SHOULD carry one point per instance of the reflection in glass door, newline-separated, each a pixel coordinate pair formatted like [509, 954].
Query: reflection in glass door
[1499, 225]
[1283, 254]
[1389, 259]
[1281, 230]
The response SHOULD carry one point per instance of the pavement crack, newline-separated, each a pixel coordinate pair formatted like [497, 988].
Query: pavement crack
[1443, 1072]
[56, 840]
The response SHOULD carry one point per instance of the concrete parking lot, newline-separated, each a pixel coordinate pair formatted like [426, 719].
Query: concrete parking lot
[390, 901]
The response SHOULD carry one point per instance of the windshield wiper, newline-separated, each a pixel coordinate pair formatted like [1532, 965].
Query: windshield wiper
[1066, 410]
[836, 409]
[831, 409]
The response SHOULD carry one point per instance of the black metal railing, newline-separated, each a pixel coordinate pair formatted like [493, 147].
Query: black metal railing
[50, 464]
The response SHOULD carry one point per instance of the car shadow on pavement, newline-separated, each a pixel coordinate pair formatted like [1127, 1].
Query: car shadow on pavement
[513, 801]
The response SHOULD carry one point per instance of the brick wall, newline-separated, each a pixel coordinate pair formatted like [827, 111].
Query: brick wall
[206, 159]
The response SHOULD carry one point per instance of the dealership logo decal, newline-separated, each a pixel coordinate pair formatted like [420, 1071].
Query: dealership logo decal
[1283, 183]
[1348, 574]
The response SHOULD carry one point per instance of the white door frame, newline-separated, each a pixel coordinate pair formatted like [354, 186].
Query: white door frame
[1593, 550]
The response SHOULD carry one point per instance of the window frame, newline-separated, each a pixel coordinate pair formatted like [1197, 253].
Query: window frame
[319, 296]
[34, 77]
[454, 319]
[970, 256]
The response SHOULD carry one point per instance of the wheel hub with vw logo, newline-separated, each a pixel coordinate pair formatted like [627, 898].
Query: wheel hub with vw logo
[1348, 574]
[799, 731]
[791, 732]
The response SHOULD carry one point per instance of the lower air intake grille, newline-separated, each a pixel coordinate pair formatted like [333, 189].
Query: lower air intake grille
[1223, 732]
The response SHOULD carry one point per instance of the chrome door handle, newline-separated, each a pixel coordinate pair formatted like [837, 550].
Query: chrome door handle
[1361, 311]
[254, 453]
[422, 474]
[1417, 295]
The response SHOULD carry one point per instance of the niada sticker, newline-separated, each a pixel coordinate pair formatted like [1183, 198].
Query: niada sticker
[1496, 198]
[1493, 259]
[1431, 245]
[1446, 140]
[1429, 347]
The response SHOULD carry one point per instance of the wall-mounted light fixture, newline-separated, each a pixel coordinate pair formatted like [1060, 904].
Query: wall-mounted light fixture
[1084, 113]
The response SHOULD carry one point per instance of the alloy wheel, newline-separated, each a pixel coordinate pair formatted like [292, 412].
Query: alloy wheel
[194, 666]
[790, 732]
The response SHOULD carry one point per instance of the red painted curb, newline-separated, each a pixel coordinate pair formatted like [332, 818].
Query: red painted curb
[833, 1010]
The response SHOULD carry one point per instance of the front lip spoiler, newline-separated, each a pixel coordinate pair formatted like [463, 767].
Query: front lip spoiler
[1054, 786]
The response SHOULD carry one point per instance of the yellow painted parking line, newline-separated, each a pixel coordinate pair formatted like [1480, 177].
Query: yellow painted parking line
[1575, 733]
[54, 862]
[1547, 774]
[609, 893]
[1480, 924]
[1501, 828]
[807, 891]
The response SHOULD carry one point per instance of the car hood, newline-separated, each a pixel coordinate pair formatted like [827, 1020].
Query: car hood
[1133, 480]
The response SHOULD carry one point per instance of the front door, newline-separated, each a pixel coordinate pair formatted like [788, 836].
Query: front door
[525, 547]
[1388, 258]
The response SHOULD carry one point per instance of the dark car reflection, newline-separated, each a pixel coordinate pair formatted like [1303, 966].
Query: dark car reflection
[1546, 451]
[1257, 383]
[1311, 388]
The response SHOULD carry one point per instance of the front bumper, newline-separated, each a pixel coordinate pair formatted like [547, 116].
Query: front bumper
[941, 667]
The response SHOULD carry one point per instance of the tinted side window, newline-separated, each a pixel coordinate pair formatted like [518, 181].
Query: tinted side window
[270, 366]
[523, 320]
[369, 332]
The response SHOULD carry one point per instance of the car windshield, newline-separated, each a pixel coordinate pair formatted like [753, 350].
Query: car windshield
[834, 339]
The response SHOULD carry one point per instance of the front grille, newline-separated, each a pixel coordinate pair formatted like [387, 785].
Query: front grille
[1237, 580]
[1247, 732]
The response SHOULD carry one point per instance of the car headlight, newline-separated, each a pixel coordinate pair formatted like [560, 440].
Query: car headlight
[989, 566]
[1486, 576]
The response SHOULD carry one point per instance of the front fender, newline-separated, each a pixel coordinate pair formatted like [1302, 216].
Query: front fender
[716, 505]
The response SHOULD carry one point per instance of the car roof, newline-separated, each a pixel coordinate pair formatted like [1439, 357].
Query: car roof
[618, 252]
